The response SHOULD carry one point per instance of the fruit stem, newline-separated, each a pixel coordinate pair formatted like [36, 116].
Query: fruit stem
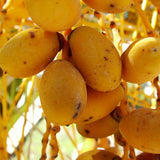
[149, 29]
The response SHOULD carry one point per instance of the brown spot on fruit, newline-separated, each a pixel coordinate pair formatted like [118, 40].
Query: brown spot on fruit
[105, 58]
[111, 5]
[86, 120]
[75, 115]
[107, 50]
[87, 131]
[142, 146]
[24, 62]
[79, 106]
[32, 35]
[154, 49]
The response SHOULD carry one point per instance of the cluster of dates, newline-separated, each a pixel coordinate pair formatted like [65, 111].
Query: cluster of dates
[86, 89]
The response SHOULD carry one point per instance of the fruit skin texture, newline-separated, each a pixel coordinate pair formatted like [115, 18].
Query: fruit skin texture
[54, 15]
[141, 129]
[98, 155]
[29, 52]
[16, 10]
[96, 58]
[141, 61]
[156, 3]
[62, 93]
[100, 104]
[109, 6]
[98, 129]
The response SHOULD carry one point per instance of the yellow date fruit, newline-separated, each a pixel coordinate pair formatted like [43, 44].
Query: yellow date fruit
[16, 10]
[96, 58]
[141, 129]
[100, 104]
[141, 61]
[109, 6]
[29, 52]
[62, 93]
[98, 129]
[54, 15]
[98, 155]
